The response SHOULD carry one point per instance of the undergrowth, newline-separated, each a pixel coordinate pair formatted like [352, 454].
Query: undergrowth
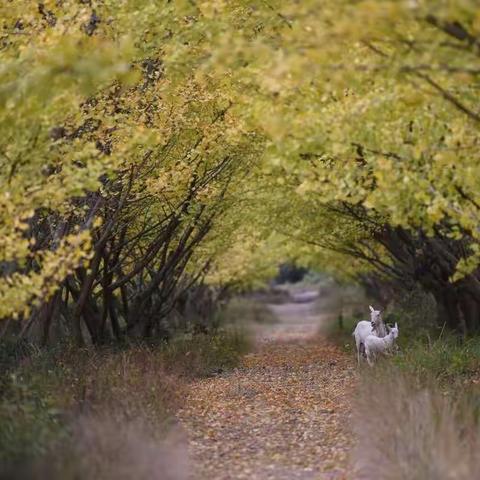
[417, 412]
[204, 355]
[59, 404]
[449, 359]
[425, 349]
[408, 429]
[244, 310]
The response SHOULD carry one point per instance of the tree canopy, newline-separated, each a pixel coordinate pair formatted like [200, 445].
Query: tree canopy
[148, 149]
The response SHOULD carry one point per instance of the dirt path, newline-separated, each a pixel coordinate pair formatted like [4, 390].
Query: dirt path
[282, 415]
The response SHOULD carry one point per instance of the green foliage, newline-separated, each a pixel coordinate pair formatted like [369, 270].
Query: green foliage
[101, 139]
[46, 73]
[364, 127]
[415, 312]
[448, 359]
[30, 414]
[428, 350]
[240, 133]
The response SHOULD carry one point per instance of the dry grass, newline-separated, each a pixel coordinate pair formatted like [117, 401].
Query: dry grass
[407, 430]
[413, 416]
[106, 449]
[106, 414]
[49, 397]
[102, 448]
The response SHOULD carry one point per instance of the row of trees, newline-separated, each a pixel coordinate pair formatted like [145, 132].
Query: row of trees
[382, 144]
[148, 150]
[117, 175]
[370, 111]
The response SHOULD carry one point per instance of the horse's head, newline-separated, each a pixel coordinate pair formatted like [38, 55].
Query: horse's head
[377, 322]
[375, 316]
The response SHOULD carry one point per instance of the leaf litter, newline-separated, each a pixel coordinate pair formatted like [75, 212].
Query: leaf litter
[283, 414]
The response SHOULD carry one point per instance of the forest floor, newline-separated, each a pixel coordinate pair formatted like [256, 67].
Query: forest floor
[283, 414]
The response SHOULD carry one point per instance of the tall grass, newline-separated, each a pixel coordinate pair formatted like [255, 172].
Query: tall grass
[416, 413]
[448, 358]
[67, 413]
[48, 391]
[409, 430]
[424, 348]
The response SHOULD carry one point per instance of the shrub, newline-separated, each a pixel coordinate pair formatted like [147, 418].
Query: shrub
[448, 358]
[43, 397]
[201, 355]
[46, 396]
[415, 313]
[241, 310]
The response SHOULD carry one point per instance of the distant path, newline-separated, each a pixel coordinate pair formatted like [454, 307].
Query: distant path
[283, 414]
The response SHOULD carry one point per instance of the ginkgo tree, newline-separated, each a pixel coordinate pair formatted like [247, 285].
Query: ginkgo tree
[150, 148]
[112, 171]
[45, 74]
[371, 107]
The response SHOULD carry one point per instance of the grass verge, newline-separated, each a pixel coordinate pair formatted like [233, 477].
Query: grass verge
[106, 413]
[416, 415]
[406, 429]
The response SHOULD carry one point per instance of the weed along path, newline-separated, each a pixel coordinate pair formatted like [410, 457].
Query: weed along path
[283, 414]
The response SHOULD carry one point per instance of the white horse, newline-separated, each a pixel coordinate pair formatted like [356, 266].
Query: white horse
[364, 328]
[375, 346]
